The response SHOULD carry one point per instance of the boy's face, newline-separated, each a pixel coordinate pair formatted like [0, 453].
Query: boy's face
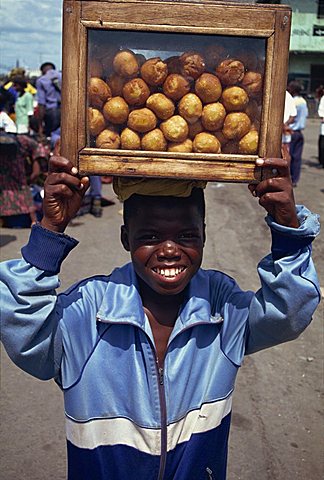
[166, 245]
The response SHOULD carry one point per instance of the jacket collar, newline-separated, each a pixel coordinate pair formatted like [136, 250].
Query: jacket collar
[122, 302]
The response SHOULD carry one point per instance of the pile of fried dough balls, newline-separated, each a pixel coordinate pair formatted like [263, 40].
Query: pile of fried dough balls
[190, 103]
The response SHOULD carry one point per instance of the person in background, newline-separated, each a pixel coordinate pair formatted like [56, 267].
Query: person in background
[7, 100]
[49, 99]
[19, 72]
[16, 202]
[24, 107]
[290, 113]
[37, 176]
[95, 192]
[6, 123]
[297, 127]
[320, 111]
[8, 86]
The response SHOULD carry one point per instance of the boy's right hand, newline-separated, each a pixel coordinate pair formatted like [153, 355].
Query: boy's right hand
[63, 194]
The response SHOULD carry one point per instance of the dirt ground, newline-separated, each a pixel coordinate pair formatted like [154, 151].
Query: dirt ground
[277, 430]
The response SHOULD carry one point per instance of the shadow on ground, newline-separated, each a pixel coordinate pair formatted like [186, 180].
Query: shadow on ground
[5, 239]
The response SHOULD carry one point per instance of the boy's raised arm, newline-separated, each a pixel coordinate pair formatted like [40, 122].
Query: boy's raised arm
[31, 311]
[289, 293]
[63, 194]
[276, 194]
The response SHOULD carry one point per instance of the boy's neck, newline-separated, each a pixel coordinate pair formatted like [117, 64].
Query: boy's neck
[165, 308]
[162, 312]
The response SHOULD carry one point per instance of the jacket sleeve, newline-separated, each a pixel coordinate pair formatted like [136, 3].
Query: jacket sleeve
[31, 313]
[290, 292]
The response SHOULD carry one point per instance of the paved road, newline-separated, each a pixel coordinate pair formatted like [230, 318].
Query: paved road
[277, 426]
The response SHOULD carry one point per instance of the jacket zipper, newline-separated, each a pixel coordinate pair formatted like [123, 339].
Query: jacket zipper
[163, 411]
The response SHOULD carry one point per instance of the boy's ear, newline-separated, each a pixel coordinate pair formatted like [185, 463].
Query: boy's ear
[124, 238]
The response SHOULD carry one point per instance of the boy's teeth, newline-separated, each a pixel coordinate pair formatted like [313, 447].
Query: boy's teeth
[169, 272]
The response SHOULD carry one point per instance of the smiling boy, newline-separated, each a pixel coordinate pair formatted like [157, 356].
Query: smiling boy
[147, 356]
[165, 253]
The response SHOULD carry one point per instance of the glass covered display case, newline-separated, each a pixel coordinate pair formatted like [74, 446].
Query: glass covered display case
[173, 89]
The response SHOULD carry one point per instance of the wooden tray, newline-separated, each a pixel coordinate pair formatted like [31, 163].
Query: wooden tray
[266, 25]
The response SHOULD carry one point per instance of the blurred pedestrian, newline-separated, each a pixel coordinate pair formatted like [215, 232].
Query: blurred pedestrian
[19, 72]
[320, 111]
[16, 202]
[24, 108]
[290, 113]
[49, 98]
[297, 127]
[6, 123]
[95, 193]
[7, 100]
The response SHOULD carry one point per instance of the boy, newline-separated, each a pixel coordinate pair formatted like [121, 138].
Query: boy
[147, 357]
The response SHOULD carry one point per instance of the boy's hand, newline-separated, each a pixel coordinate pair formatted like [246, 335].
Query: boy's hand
[63, 193]
[276, 194]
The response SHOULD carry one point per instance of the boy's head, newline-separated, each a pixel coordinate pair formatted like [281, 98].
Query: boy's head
[165, 237]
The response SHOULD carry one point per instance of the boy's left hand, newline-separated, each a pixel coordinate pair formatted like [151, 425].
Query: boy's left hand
[276, 194]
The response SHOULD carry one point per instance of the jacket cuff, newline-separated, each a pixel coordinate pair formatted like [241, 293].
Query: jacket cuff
[286, 240]
[46, 250]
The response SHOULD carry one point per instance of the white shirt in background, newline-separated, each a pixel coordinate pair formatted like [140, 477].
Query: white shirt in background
[289, 111]
[320, 112]
[290, 107]
[7, 124]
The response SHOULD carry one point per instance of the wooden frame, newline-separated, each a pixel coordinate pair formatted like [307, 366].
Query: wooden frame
[269, 22]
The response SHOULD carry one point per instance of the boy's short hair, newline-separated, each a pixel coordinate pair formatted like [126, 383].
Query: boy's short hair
[133, 204]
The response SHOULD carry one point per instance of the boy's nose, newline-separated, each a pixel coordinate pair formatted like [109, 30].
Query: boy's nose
[169, 249]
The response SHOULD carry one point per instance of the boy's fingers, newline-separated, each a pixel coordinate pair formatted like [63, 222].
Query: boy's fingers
[85, 181]
[57, 178]
[61, 164]
[271, 185]
[279, 165]
[252, 188]
[60, 190]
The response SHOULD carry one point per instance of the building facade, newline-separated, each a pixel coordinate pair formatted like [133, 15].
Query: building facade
[306, 62]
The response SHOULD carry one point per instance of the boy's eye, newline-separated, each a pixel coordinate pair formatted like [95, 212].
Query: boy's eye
[149, 236]
[187, 235]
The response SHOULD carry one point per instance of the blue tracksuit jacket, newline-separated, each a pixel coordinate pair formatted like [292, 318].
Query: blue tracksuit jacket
[126, 418]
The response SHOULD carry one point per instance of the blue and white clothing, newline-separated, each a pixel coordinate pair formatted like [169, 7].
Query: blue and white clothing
[302, 113]
[47, 94]
[125, 417]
